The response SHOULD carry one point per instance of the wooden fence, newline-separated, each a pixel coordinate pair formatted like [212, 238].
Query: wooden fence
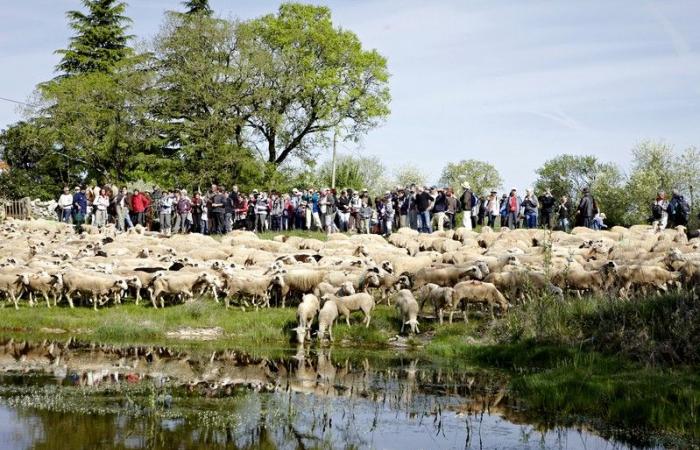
[18, 209]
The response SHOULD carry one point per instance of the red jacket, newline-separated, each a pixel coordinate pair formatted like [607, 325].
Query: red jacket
[139, 203]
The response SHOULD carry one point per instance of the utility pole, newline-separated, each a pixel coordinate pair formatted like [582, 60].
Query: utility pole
[335, 143]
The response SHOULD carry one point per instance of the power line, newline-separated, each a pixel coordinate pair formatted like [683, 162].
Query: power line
[15, 101]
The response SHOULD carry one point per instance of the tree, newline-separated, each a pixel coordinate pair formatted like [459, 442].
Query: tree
[569, 174]
[198, 7]
[100, 42]
[480, 175]
[35, 170]
[611, 195]
[98, 120]
[310, 79]
[202, 87]
[355, 172]
[409, 174]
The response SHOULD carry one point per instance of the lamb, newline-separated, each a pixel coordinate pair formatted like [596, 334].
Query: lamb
[306, 311]
[408, 310]
[326, 318]
[478, 292]
[12, 285]
[440, 297]
[356, 302]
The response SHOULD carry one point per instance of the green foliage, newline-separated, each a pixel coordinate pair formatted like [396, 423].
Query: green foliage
[569, 174]
[355, 172]
[409, 174]
[100, 40]
[198, 7]
[481, 176]
[310, 78]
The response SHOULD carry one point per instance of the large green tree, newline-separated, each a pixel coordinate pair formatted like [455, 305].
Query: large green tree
[311, 78]
[203, 84]
[569, 174]
[100, 41]
[355, 172]
[481, 176]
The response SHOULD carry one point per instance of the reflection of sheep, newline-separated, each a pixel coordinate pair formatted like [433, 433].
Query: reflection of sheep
[356, 302]
[408, 309]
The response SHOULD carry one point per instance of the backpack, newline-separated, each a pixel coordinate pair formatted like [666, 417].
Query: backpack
[683, 209]
[656, 211]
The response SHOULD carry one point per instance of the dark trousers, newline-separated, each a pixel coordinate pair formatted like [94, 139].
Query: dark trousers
[218, 225]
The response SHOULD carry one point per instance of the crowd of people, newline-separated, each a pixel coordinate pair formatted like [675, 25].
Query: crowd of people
[422, 208]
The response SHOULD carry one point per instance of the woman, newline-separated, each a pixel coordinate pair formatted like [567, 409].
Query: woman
[530, 205]
[563, 214]
[101, 205]
[165, 212]
[492, 209]
[197, 212]
[262, 207]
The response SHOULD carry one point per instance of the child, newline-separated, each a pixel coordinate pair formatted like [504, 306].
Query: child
[598, 221]
[204, 220]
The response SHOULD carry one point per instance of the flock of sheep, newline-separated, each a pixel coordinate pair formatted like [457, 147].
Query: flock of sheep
[448, 270]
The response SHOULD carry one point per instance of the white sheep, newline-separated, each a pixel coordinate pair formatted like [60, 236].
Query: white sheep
[408, 310]
[356, 302]
[326, 318]
[306, 311]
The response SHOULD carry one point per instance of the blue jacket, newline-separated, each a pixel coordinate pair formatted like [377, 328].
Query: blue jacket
[314, 202]
[81, 200]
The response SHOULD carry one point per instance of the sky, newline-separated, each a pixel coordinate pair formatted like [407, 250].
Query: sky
[513, 83]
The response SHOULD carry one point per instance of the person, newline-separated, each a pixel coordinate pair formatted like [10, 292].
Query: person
[388, 214]
[513, 203]
[262, 207]
[482, 211]
[547, 203]
[598, 221]
[330, 210]
[355, 205]
[101, 205]
[165, 212]
[468, 201]
[412, 208]
[139, 204]
[65, 205]
[343, 206]
[365, 216]
[439, 208]
[423, 205]
[529, 205]
[452, 208]
[678, 210]
[79, 206]
[492, 208]
[218, 202]
[276, 211]
[659, 210]
[184, 213]
[204, 219]
[288, 208]
[587, 209]
[563, 214]
[503, 210]
[197, 212]
[121, 206]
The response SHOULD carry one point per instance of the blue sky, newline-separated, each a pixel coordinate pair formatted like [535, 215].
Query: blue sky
[509, 82]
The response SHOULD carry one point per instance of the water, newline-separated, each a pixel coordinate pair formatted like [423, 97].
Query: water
[101, 397]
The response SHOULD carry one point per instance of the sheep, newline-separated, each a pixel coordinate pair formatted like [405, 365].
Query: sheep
[44, 284]
[440, 297]
[306, 311]
[303, 281]
[324, 288]
[408, 310]
[97, 286]
[178, 284]
[446, 276]
[326, 318]
[12, 285]
[356, 302]
[472, 291]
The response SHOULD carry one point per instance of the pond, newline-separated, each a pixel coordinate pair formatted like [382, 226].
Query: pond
[78, 396]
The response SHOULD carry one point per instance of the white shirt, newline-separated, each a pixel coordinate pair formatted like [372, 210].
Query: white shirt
[65, 201]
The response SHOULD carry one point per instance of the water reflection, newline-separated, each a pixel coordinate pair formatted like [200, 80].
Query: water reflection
[92, 396]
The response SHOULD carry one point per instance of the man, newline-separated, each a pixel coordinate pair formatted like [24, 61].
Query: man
[388, 214]
[139, 204]
[678, 210]
[586, 210]
[468, 201]
[218, 210]
[563, 214]
[121, 205]
[165, 212]
[343, 205]
[547, 203]
[79, 206]
[411, 207]
[197, 212]
[530, 205]
[492, 208]
[424, 202]
[513, 203]
[229, 208]
[65, 205]
[452, 207]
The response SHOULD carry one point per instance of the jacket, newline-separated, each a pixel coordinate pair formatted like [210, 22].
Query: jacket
[139, 203]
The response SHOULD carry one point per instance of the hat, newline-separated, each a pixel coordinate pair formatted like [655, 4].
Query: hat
[512, 189]
[255, 191]
[466, 185]
[387, 193]
[364, 189]
[295, 190]
[77, 188]
[494, 192]
[603, 216]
